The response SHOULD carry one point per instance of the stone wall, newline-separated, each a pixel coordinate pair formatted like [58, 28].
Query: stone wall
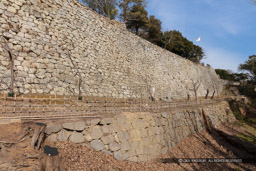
[139, 136]
[45, 36]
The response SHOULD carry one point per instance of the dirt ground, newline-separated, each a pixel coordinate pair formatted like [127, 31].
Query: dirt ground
[16, 153]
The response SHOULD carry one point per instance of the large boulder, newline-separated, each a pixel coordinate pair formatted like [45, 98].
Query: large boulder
[63, 135]
[94, 122]
[113, 146]
[97, 145]
[96, 132]
[121, 156]
[52, 129]
[74, 126]
[77, 137]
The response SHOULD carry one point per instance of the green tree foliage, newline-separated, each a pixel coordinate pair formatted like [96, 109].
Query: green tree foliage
[106, 8]
[126, 5]
[250, 66]
[240, 76]
[248, 90]
[226, 75]
[137, 19]
[154, 32]
[176, 43]
[134, 14]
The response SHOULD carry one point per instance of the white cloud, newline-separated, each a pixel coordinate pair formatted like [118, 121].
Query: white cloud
[221, 59]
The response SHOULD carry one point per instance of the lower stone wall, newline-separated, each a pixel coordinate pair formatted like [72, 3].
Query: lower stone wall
[139, 136]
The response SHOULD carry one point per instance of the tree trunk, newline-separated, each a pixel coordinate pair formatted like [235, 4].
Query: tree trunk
[207, 93]
[79, 87]
[213, 94]
[7, 48]
[196, 95]
[12, 73]
[137, 30]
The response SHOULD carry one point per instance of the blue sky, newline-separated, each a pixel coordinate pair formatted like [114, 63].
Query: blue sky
[227, 27]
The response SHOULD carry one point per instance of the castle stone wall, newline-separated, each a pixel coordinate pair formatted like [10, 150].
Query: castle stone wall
[45, 36]
[139, 136]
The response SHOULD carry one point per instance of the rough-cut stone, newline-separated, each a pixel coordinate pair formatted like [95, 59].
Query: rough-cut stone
[97, 145]
[37, 48]
[113, 146]
[94, 122]
[122, 136]
[88, 137]
[125, 146]
[140, 124]
[96, 132]
[74, 126]
[52, 128]
[120, 156]
[106, 121]
[63, 135]
[147, 143]
[105, 129]
[107, 139]
[134, 134]
[114, 127]
[77, 137]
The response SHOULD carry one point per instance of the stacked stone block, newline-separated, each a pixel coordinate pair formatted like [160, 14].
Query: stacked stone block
[45, 35]
[138, 136]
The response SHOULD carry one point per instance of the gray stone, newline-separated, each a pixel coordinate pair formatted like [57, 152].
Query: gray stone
[88, 137]
[140, 123]
[97, 145]
[76, 137]
[74, 126]
[125, 146]
[105, 139]
[122, 136]
[63, 135]
[114, 127]
[107, 121]
[43, 54]
[96, 132]
[113, 146]
[52, 129]
[120, 156]
[144, 133]
[94, 122]
[105, 129]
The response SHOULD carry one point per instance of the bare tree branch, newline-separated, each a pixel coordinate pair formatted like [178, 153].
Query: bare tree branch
[7, 48]
[77, 73]
[195, 86]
